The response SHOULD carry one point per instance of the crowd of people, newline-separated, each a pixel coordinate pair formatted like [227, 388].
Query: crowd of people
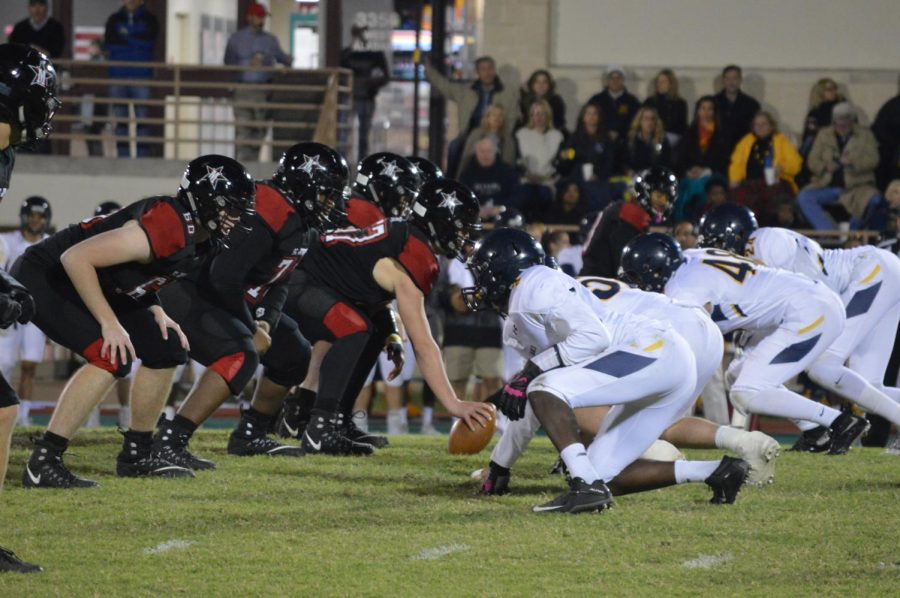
[517, 149]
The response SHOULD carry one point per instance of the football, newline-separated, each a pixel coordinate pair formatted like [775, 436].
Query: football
[464, 441]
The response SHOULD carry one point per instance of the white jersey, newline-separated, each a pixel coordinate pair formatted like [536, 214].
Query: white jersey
[789, 250]
[16, 244]
[742, 293]
[555, 321]
[619, 297]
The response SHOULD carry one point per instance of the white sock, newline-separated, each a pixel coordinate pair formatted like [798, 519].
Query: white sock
[729, 438]
[694, 471]
[781, 402]
[125, 416]
[874, 401]
[804, 425]
[576, 459]
[891, 391]
[427, 416]
[851, 385]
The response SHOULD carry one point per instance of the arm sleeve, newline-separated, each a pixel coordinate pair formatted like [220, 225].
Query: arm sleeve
[817, 155]
[8, 283]
[584, 334]
[231, 57]
[229, 269]
[867, 156]
[111, 36]
[737, 169]
[439, 81]
[385, 321]
[792, 160]
[272, 305]
[280, 55]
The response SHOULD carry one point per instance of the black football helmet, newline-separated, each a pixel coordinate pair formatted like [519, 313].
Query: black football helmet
[217, 189]
[314, 177]
[35, 205]
[656, 178]
[428, 170]
[389, 181]
[447, 212]
[649, 260]
[495, 265]
[106, 208]
[28, 92]
[728, 227]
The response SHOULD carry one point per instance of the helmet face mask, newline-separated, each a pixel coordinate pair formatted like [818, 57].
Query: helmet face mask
[35, 208]
[498, 260]
[656, 180]
[389, 181]
[727, 227]
[447, 212]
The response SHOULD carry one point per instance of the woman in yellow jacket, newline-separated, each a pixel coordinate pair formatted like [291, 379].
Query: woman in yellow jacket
[763, 166]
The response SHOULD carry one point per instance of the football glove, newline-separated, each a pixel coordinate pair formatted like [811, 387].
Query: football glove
[514, 397]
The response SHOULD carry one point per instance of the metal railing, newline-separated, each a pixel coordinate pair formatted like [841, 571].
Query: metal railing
[184, 110]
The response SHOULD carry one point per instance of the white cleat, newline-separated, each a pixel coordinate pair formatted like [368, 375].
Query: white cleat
[760, 451]
[893, 446]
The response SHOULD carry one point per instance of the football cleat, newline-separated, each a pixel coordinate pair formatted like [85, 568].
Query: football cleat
[172, 446]
[323, 437]
[581, 498]
[260, 445]
[727, 479]
[46, 469]
[496, 480]
[150, 466]
[844, 430]
[760, 451]
[289, 422]
[816, 440]
[349, 429]
[893, 446]
[10, 563]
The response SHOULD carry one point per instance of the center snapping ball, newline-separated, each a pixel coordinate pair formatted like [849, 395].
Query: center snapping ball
[464, 441]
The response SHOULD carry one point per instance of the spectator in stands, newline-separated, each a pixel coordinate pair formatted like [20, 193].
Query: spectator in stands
[616, 104]
[763, 166]
[541, 86]
[131, 34]
[252, 47]
[40, 30]
[887, 130]
[842, 162]
[822, 98]
[647, 144]
[472, 100]
[539, 144]
[735, 108]
[568, 208]
[704, 152]
[686, 234]
[787, 214]
[892, 195]
[588, 157]
[672, 109]
[555, 242]
[370, 74]
[494, 122]
[495, 182]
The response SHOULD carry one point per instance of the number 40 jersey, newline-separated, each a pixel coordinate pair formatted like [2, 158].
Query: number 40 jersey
[741, 292]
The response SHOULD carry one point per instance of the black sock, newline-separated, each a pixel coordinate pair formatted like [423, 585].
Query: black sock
[306, 399]
[256, 420]
[183, 424]
[56, 442]
[136, 445]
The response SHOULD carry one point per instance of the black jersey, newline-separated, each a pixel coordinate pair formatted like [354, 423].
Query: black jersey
[344, 259]
[250, 275]
[170, 229]
[619, 223]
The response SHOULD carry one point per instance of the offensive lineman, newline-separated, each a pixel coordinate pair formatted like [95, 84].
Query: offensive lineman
[793, 319]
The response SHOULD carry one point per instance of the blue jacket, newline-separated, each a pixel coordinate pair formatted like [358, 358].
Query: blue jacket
[131, 37]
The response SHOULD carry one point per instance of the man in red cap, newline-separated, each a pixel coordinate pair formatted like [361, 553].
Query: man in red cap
[253, 47]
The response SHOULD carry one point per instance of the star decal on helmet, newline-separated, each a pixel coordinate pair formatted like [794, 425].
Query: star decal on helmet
[449, 201]
[389, 168]
[41, 75]
[214, 176]
[310, 162]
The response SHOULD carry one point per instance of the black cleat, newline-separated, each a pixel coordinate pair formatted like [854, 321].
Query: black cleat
[352, 432]
[10, 563]
[260, 445]
[727, 479]
[289, 422]
[581, 498]
[171, 445]
[46, 469]
[816, 440]
[323, 437]
[844, 430]
[150, 466]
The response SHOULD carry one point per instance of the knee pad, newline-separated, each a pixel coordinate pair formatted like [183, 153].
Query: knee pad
[825, 371]
[286, 365]
[91, 353]
[342, 320]
[167, 354]
[236, 369]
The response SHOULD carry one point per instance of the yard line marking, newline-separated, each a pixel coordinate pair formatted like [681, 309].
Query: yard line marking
[168, 545]
[433, 554]
[707, 561]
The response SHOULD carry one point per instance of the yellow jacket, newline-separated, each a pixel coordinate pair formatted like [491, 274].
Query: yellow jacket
[785, 155]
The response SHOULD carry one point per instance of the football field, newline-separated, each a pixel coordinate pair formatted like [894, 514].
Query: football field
[405, 522]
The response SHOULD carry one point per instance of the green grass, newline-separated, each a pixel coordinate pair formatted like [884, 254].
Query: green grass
[361, 526]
